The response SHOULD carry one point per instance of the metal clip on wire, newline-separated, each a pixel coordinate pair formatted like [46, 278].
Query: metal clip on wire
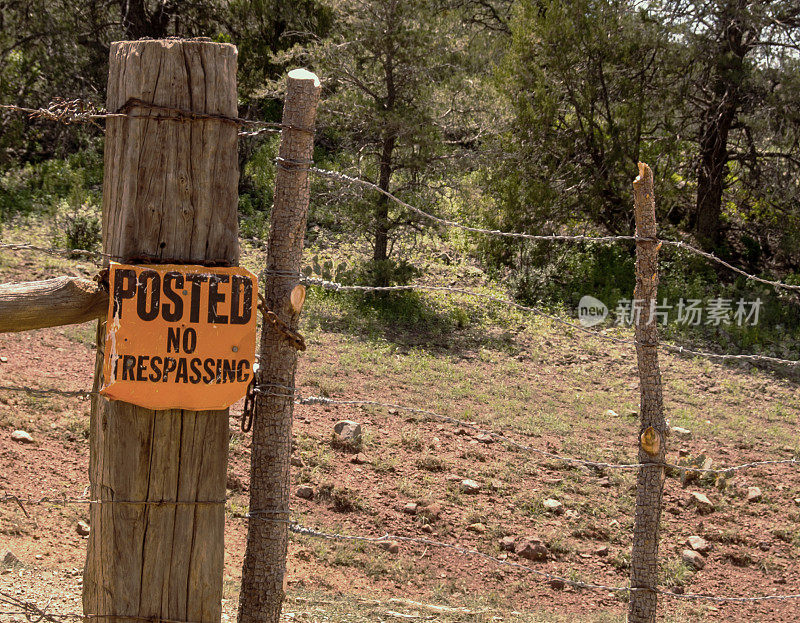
[249, 406]
[294, 338]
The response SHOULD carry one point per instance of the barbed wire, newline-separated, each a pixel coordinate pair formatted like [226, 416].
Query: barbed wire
[550, 237]
[297, 528]
[69, 254]
[338, 287]
[291, 392]
[34, 613]
[82, 111]
[322, 400]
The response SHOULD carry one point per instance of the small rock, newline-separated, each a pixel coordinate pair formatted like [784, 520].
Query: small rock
[699, 544]
[507, 543]
[305, 492]
[754, 494]
[681, 433]
[604, 482]
[477, 527]
[82, 528]
[427, 528]
[347, 431]
[601, 551]
[461, 431]
[9, 558]
[411, 508]
[470, 486]
[296, 461]
[553, 506]
[693, 559]
[22, 436]
[532, 549]
[390, 546]
[484, 438]
[233, 483]
[3, 359]
[359, 459]
[431, 512]
[571, 514]
[683, 452]
[702, 503]
[556, 584]
[610, 413]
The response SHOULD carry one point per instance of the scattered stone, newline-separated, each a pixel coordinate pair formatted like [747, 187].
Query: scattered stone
[556, 584]
[296, 461]
[390, 546]
[461, 431]
[797, 501]
[702, 503]
[610, 413]
[604, 482]
[693, 559]
[484, 438]
[359, 459]
[754, 494]
[22, 436]
[699, 544]
[601, 551]
[347, 431]
[479, 528]
[233, 483]
[470, 486]
[305, 492]
[431, 512]
[683, 452]
[553, 506]
[571, 514]
[507, 543]
[3, 359]
[82, 528]
[427, 528]
[532, 549]
[411, 508]
[9, 558]
[681, 433]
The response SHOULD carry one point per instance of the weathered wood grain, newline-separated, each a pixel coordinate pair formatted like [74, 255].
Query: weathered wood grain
[50, 303]
[170, 191]
[264, 567]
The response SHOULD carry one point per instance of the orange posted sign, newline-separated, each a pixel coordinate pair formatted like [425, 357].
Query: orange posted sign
[179, 337]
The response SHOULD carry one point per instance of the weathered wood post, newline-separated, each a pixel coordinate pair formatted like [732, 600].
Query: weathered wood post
[653, 428]
[265, 559]
[170, 191]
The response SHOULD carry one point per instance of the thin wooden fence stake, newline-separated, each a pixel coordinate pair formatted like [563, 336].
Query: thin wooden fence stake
[653, 427]
[169, 191]
[264, 567]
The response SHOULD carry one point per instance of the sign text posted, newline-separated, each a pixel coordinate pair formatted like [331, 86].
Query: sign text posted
[179, 337]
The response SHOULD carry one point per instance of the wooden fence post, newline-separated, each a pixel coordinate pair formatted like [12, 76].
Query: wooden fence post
[653, 428]
[169, 191]
[264, 567]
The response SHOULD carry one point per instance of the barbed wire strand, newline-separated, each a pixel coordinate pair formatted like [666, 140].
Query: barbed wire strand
[338, 287]
[291, 392]
[297, 528]
[554, 237]
[322, 400]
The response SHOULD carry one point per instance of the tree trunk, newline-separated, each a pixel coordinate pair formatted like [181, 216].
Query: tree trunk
[653, 427]
[718, 117]
[712, 170]
[156, 545]
[264, 566]
[381, 251]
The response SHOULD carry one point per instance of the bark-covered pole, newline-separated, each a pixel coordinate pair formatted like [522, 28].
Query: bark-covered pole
[264, 567]
[652, 432]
